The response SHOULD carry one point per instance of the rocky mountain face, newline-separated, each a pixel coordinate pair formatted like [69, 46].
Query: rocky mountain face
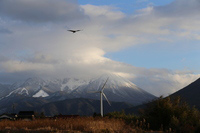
[4, 90]
[37, 93]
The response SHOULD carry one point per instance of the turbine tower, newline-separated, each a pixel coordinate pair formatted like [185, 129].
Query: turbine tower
[101, 97]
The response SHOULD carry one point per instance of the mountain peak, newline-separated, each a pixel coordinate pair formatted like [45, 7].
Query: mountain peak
[114, 81]
[34, 80]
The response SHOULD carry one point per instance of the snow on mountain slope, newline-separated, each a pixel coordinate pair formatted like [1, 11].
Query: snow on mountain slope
[23, 91]
[66, 84]
[4, 90]
[116, 89]
[115, 81]
[71, 84]
[27, 88]
[114, 84]
[41, 93]
[10, 93]
[34, 82]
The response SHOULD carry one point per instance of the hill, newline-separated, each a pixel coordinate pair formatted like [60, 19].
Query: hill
[190, 94]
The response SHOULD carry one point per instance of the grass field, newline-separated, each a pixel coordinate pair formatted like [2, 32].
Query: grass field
[76, 125]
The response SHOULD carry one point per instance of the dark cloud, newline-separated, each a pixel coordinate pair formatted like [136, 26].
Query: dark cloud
[179, 8]
[5, 31]
[3, 58]
[41, 10]
[10, 78]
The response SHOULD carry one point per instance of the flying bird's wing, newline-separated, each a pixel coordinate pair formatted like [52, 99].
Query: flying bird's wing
[74, 31]
[71, 30]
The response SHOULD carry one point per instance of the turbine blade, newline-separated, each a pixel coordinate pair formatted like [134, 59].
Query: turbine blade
[106, 99]
[104, 84]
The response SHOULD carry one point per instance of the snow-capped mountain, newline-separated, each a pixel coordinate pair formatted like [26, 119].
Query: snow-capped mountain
[116, 89]
[29, 87]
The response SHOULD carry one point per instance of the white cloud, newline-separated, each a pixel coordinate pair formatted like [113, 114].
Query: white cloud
[40, 45]
[165, 84]
[106, 13]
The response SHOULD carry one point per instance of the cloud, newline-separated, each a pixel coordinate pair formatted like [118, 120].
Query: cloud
[180, 9]
[156, 81]
[40, 44]
[164, 83]
[3, 58]
[5, 31]
[41, 11]
[106, 13]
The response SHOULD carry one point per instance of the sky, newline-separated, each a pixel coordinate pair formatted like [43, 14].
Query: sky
[153, 43]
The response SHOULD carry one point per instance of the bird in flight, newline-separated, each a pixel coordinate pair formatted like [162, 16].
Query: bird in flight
[73, 31]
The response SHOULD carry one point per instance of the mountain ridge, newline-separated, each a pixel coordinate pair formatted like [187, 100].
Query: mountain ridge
[39, 94]
[117, 89]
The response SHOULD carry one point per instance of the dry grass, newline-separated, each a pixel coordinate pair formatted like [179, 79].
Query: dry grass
[80, 124]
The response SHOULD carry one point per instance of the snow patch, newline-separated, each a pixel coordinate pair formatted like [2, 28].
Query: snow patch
[8, 94]
[41, 93]
[11, 93]
[72, 84]
[24, 90]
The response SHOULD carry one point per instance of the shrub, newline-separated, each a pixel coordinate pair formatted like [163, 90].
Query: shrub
[168, 113]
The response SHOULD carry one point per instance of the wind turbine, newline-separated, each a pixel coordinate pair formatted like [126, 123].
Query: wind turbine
[101, 97]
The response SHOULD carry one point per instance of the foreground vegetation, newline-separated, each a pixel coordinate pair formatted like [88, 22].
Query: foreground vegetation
[163, 115]
[79, 124]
